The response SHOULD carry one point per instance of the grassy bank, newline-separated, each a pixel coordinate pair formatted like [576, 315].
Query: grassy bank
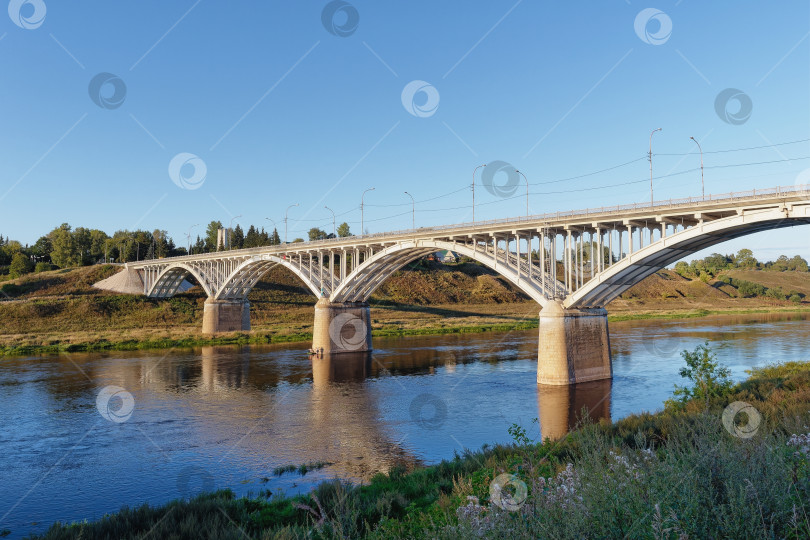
[258, 337]
[60, 311]
[692, 471]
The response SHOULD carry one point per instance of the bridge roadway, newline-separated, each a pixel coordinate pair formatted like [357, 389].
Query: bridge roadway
[571, 263]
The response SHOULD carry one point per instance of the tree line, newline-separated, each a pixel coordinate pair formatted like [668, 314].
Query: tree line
[66, 246]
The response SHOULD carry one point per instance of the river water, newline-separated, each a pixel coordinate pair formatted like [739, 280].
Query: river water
[182, 421]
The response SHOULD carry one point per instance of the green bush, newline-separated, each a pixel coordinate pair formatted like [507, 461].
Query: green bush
[43, 267]
[20, 265]
[775, 292]
[796, 299]
[748, 289]
[710, 379]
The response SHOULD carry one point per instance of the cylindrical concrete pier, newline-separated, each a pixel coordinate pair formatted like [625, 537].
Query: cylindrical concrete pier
[574, 345]
[341, 327]
[226, 316]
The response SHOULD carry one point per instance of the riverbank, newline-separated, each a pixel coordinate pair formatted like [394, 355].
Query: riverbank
[693, 471]
[127, 342]
[59, 311]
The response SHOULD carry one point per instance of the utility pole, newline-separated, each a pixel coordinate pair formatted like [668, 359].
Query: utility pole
[473, 188]
[650, 157]
[702, 185]
[413, 211]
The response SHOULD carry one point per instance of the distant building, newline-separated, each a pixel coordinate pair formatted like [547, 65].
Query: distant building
[446, 256]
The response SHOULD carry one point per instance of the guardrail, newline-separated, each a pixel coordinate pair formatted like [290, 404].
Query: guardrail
[670, 204]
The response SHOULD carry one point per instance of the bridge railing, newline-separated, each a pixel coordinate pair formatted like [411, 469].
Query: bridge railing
[603, 211]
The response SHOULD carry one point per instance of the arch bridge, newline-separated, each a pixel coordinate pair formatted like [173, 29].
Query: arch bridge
[571, 263]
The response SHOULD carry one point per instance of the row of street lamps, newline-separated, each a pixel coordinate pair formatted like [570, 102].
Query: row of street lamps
[413, 202]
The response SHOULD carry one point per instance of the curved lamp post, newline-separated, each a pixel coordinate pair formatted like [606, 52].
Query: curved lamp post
[188, 236]
[362, 222]
[413, 211]
[651, 177]
[702, 185]
[334, 230]
[285, 220]
[473, 188]
[527, 191]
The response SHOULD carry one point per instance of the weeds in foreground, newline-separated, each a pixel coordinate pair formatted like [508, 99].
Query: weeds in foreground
[680, 473]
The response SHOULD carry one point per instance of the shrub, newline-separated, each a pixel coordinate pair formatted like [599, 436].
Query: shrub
[796, 299]
[43, 267]
[710, 378]
[775, 292]
[748, 289]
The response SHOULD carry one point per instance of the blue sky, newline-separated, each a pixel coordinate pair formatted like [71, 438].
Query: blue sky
[281, 110]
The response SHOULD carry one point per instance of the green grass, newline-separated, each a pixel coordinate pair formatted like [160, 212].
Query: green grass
[674, 474]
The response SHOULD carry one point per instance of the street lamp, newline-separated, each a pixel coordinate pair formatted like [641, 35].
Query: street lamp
[188, 236]
[527, 191]
[362, 228]
[702, 185]
[413, 211]
[334, 230]
[651, 183]
[473, 188]
[285, 220]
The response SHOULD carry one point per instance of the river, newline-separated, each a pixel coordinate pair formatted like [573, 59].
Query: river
[214, 417]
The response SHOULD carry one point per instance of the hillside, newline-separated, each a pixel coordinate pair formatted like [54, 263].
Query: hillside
[61, 306]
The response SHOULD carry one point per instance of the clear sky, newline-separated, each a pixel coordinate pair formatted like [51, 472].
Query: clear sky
[313, 102]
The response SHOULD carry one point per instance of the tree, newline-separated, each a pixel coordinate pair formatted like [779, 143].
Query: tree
[65, 252]
[237, 238]
[797, 264]
[251, 238]
[274, 239]
[211, 235]
[316, 234]
[20, 265]
[42, 248]
[343, 230]
[745, 259]
[710, 378]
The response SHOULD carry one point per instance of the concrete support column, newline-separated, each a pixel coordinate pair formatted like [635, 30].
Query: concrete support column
[226, 316]
[574, 345]
[341, 327]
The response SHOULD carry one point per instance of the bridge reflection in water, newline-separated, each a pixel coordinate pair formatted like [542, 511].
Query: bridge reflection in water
[266, 408]
[562, 408]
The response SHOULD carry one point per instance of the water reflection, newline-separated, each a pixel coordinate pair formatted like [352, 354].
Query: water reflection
[227, 416]
[561, 408]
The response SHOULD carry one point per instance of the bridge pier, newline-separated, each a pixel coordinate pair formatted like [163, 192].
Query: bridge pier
[574, 345]
[341, 327]
[226, 316]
